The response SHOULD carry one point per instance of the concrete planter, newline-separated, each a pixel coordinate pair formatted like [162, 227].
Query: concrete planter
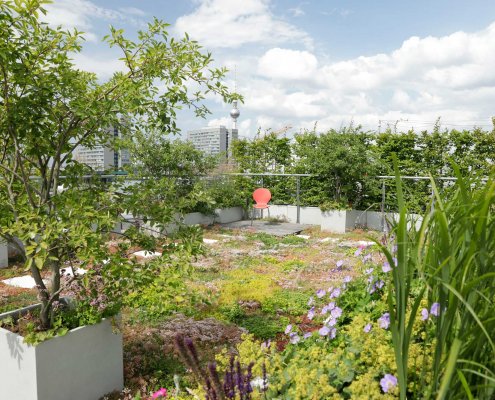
[4, 254]
[334, 221]
[227, 215]
[196, 218]
[85, 364]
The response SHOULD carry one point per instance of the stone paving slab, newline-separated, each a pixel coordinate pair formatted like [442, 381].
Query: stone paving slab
[271, 228]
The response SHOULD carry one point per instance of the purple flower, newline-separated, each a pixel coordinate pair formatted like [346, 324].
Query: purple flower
[266, 344]
[324, 331]
[333, 333]
[340, 263]
[367, 258]
[435, 309]
[330, 321]
[379, 284]
[384, 321]
[424, 314]
[320, 293]
[311, 301]
[371, 289]
[331, 305]
[388, 382]
[288, 329]
[347, 279]
[386, 267]
[308, 335]
[160, 393]
[367, 328]
[294, 338]
[311, 313]
[335, 293]
[368, 271]
[394, 259]
[336, 312]
[324, 310]
[358, 251]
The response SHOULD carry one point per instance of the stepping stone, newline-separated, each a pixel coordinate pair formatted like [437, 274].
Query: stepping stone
[329, 239]
[304, 236]
[25, 282]
[147, 254]
[209, 241]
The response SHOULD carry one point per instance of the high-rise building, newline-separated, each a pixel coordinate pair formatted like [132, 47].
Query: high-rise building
[102, 158]
[213, 140]
[216, 140]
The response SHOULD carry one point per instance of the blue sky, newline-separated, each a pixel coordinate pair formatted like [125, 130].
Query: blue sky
[327, 62]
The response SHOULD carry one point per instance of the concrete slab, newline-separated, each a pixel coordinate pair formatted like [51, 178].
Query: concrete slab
[26, 282]
[271, 228]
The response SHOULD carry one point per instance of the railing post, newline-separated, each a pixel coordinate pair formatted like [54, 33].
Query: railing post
[298, 189]
[383, 205]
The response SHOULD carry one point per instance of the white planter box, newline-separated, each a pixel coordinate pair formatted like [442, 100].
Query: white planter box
[197, 218]
[85, 364]
[227, 215]
[4, 254]
[334, 221]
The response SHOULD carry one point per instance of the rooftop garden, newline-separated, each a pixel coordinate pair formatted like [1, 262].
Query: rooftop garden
[210, 313]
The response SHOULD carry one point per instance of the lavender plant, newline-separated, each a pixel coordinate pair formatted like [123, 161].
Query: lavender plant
[236, 383]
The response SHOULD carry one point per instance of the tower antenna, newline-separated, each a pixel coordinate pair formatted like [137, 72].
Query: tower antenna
[234, 113]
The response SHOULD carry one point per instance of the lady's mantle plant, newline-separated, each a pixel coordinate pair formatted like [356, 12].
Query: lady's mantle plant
[48, 108]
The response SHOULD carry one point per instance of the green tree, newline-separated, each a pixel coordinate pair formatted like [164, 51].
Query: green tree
[343, 164]
[267, 154]
[48, 108]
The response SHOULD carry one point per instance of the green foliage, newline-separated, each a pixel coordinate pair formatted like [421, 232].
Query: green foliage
[289, 302]
[353, 159]
[451, 259]
[244, 285]
[263, 326]
[346, 173]
[49, 108]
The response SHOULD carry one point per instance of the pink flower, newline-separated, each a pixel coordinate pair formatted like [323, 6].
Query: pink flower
[160, 393]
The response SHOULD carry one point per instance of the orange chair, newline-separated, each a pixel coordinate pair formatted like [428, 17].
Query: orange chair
[261, 196]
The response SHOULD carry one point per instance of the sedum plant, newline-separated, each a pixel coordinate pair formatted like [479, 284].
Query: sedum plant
[48, 108]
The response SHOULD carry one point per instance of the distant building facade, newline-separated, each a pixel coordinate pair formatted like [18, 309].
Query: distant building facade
[213, 140]
[216, 140]
[102, 158]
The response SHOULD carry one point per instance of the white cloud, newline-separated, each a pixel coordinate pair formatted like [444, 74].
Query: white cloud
[451, 77]
[233, 23]
[101, 66]
[287, 64]
[297, 11]
[81, 14]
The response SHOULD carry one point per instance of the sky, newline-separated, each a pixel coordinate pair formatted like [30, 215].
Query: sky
[324, 63]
